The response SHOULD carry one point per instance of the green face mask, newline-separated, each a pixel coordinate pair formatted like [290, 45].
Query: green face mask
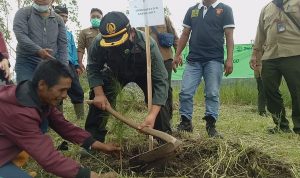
[95, 22]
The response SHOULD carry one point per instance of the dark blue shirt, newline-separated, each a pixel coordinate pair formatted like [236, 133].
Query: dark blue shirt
[207, 31]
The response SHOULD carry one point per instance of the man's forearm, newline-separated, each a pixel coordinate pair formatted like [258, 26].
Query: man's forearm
[25, 42]
[181, 44]
[98, 91]
[80, 57]
[229, 42]
[257, 55]
[229, 46]
[154, 110]
[97, 145]
[254, 53]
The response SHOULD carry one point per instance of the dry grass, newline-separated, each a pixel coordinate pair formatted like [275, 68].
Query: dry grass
[247, 150]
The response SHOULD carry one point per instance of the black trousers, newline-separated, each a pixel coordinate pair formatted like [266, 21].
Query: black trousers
[97, 119]
[75, 93]
[261, 98]
[272, 72]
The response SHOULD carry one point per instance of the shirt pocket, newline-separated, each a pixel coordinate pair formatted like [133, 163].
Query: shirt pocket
[294, 11]
[90, 36]
[89, 39]
[269, 19]
[292, 6]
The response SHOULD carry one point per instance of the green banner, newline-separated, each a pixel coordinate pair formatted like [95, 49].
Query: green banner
[241, 57]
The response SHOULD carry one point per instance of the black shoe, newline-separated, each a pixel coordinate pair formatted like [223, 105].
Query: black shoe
[211, 127]
[185, 125]
[297, 131]
[63, 146]
[263, 113]
[213, 133]
[277, 129]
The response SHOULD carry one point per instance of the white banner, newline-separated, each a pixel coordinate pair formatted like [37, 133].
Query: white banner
[146, 12]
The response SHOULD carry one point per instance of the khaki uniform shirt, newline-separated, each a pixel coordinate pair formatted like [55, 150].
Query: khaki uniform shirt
[275, 44]
[86, 38]
[167, 53]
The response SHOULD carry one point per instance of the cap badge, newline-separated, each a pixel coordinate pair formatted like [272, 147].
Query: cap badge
[111, 28]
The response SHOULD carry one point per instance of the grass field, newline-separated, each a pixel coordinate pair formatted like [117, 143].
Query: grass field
[239, 123]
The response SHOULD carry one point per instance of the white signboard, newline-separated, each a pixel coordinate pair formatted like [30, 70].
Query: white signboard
[146, 12]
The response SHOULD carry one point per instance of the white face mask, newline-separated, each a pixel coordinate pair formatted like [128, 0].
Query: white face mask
[40, 8]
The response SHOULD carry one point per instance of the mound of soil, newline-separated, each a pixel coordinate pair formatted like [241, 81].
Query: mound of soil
[201, 158]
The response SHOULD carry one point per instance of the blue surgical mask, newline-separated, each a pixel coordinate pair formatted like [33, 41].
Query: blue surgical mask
[40, 8]
[95, 22]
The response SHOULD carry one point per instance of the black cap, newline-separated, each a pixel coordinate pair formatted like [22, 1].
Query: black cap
[61, 9]
[114, 29]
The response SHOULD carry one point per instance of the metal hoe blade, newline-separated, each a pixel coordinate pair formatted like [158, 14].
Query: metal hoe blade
[155, 157]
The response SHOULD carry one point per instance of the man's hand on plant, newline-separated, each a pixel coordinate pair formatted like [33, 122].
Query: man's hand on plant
[108, 148]
[94, 175]
[105, 175]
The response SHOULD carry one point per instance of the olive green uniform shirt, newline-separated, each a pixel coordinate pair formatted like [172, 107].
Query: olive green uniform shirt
[85, 39]
[275, 44]
[96, 64]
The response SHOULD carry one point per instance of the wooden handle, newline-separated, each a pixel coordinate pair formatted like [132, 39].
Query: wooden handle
[89, 101]
[149, 78]
[156, 133]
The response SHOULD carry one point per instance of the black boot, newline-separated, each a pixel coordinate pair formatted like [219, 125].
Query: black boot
[63, 146]
[185, 125]
[282, 124]
[263, 113]
[279, 129]
[211, 127]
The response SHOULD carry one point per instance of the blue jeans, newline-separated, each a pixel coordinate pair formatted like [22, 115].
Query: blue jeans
[12, 171]
[212, 73]
[25, 67]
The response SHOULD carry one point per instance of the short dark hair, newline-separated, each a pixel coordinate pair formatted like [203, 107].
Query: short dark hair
[61, 9]
[50, 71]
[96, 10]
